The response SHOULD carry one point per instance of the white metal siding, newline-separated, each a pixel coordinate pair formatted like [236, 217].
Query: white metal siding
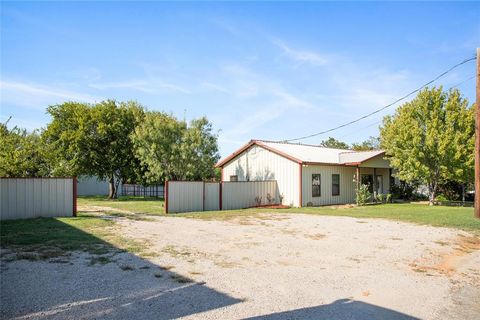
[239, 195]
[258, 164]
[347, 186]
[185, 196]
[377, 162]
[31, 198]
[212, 196]
[91, 186]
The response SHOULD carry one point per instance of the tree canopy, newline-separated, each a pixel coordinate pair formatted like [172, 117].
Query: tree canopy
[170, 149]
[431, 139]
[334, 143]
[22, 154]
[372, 143]
[94, 139]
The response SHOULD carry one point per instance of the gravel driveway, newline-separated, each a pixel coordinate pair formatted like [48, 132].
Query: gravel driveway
[272, 266]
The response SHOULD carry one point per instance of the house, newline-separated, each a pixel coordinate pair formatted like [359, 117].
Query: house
[309, 175]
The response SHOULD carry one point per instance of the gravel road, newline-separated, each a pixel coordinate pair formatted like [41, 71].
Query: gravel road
[272, 266]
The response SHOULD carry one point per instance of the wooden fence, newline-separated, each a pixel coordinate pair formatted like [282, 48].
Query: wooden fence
[188, 196]
[23, 198]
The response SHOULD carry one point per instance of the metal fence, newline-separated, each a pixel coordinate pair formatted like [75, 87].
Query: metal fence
[23, 198]
[156, 191]
[188, 196]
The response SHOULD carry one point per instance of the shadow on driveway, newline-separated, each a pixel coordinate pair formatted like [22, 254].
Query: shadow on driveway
[127, 288]
[342, 309]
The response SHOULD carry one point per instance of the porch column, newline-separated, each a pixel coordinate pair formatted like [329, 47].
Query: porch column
[358, 177]
[375, 187]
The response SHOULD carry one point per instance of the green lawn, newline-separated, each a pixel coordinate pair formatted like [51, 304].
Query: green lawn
[44, 238]
[132, 204]
[440, 216]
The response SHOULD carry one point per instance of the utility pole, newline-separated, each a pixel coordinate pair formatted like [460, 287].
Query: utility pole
[477, 141]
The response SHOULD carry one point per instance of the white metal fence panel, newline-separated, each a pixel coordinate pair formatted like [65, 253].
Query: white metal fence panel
[184, 196]
[23, 198]
[239, 195]
[212, 196]
[92, 186]
[187, 196]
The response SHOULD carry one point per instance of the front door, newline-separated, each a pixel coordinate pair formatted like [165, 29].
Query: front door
[367, 179]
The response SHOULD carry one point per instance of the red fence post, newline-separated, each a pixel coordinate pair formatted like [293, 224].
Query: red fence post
[74, 209]
[203, 196]
[166, 196]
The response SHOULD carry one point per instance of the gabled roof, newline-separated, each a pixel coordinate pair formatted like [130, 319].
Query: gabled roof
[308, 154]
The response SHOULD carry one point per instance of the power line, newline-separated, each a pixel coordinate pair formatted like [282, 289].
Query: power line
[377, 122]
[385, 107]
[460, 83]
[370, 125]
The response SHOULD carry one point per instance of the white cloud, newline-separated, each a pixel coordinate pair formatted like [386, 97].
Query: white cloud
[301, 56]
[148, 86]
[39, 96]
[213, 87]
[257, 101]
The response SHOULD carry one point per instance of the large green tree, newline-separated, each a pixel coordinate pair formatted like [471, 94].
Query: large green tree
[94, 139]
[22, 153]
[372, 143]
[334, 143]
[431, 139]
[170, 149]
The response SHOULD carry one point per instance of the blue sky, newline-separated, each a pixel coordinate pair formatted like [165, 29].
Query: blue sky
[256, 70]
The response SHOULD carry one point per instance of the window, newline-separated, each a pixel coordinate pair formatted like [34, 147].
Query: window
[234, 178]
[335, 184]
[316, 185]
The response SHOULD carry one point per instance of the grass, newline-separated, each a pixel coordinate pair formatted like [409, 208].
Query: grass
[438, 216]
[45, 238]
[180, 279]
[143, 205]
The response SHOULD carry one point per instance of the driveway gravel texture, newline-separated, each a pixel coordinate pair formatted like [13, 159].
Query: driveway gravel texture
[268, 266]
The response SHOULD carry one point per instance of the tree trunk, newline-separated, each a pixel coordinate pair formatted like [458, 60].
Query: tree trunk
[432, 190]
[112, 193]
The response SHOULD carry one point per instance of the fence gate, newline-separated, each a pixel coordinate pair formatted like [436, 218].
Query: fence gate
[212, 196]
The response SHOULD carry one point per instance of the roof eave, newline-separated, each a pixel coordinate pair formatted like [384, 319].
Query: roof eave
[231, 157]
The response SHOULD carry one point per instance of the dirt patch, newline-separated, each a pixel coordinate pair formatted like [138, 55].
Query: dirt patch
[449, 262]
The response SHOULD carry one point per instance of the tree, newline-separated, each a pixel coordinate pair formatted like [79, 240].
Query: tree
[431, 139]
[372, 143]
[334, 143]
[95, 139]
[170, 149]
[22, 154]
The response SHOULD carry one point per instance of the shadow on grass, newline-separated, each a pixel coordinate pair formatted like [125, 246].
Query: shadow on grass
[120, 198]
[340, 309]
[113, 284]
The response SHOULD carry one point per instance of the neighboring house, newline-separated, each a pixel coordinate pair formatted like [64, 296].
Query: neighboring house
[309, 175]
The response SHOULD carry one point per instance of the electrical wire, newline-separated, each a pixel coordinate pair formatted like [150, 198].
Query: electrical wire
[379, 121]
[385, 107]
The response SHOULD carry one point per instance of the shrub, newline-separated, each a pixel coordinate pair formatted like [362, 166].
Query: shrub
[403, 190]
[380, 197]
[388, 198]
[441, 198]
[363, 195]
